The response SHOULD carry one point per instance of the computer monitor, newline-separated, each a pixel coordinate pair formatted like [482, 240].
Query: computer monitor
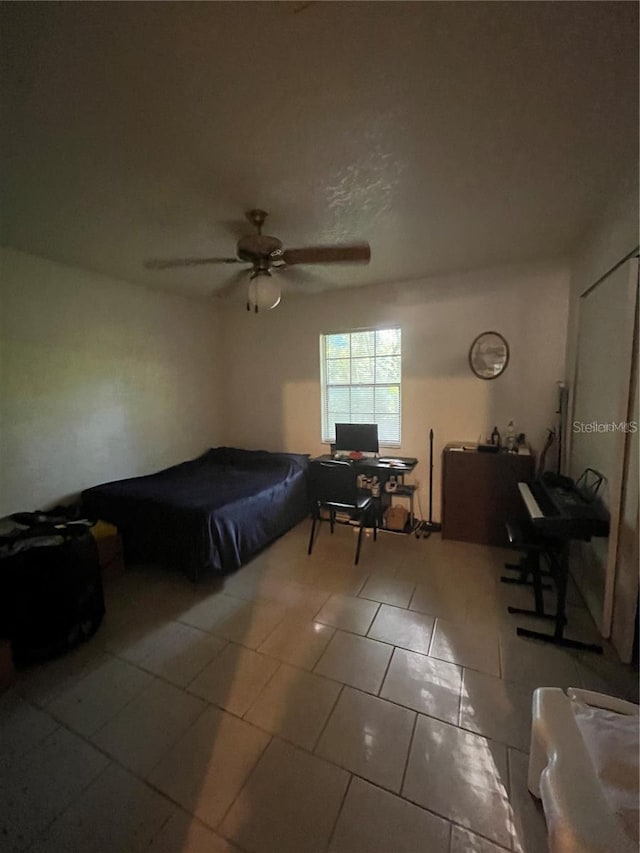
[362, 437]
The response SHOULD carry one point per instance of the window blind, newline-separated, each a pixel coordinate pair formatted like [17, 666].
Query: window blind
[361, 378]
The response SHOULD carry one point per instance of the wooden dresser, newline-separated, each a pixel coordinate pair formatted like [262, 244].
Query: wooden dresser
[480, 493]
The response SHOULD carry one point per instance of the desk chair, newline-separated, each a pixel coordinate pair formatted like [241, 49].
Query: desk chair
[333, 486]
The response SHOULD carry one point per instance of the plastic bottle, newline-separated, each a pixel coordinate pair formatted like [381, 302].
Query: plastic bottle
[511, 437]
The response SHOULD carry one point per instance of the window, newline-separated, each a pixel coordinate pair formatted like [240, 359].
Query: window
[361, 376]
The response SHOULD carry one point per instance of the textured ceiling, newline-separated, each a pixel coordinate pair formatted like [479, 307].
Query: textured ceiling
[450, 136]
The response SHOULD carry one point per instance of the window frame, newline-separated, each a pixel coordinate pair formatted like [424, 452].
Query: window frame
[324, 385]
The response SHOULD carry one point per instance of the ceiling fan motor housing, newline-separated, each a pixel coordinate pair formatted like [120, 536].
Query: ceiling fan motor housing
[257, 246]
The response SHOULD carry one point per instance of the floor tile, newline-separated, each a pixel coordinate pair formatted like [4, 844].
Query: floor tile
[508, 623]
[424, 684]
[249, 583]
[355, 660]
[303, 570]
[343, 579]
[289, 804]
[603, 675]
[534, 664]
[22, 726]
[497, 709]
[415, 566]
[444, 599]
[97, 697]
[381, 559]
[169, 627]
[149, 725]
[294, 705]
[467, 646]
[461, 776]
[298, 642]
[177, 652]
[375, 821]
[579, 625]
[463, 841]
[478, 576]
[530, 829]
[35, 788]
[348, 613]
[42, 683]
[145, 596]
[138, 639]
[388, 590]
[151, 590]
[402, 628]
[489, 612]
[182, 833]
[251, 624]
[368, 736]
[301, 601]
[209, 612]
[136, 813]
[516, 595]
[339, 547]
[125, 631]
[234, 679]
[207, 768]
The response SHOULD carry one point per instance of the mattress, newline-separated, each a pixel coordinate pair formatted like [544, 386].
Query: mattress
[207, 515]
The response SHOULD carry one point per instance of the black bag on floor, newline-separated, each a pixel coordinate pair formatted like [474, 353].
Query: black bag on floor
[51, 594]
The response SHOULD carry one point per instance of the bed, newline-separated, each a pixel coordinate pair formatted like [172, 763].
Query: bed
[207, 515]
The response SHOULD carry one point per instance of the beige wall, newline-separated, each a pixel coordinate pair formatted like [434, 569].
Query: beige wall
[99, 380]
[271, 387]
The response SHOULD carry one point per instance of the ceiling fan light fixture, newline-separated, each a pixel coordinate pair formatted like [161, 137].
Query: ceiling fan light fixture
[264, 292]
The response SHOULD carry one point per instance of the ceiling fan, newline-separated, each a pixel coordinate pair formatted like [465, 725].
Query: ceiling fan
[266, 256]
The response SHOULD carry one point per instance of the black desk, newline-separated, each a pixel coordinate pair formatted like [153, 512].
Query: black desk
[372, 467]
[374, 464]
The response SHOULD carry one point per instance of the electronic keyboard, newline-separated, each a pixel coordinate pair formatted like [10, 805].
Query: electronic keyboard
[563, 511]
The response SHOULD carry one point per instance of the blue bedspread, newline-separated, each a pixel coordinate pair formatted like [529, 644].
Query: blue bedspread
[211, 514]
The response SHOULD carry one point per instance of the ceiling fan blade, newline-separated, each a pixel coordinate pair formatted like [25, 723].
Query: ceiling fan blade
[162, 264]
[347, 253]
[241, 277]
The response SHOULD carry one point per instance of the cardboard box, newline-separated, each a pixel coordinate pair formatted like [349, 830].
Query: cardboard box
[395, 517]
[110, 552]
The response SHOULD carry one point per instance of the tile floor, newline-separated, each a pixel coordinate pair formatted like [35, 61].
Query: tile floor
[302, 704]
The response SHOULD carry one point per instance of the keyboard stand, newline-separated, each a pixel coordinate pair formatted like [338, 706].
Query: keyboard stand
[533, 547]
[557, 638]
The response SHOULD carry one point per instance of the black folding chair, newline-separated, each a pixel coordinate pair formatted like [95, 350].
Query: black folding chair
[333, 487]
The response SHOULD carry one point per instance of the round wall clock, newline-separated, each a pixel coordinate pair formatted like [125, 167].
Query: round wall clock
[489, 355]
